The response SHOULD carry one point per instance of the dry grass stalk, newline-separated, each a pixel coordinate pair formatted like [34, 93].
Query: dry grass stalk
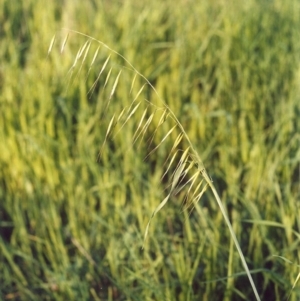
[184, 160]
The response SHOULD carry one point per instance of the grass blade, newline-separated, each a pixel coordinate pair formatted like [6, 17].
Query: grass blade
[98, 77]
[51, 45]
[64, 43]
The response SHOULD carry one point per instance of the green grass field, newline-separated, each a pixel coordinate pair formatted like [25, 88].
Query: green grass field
[72, 227]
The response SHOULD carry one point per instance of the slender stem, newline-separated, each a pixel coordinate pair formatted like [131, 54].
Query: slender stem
[222, 208]
[196, 157]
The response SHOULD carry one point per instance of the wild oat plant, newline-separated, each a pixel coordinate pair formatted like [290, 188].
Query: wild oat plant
[183, 168]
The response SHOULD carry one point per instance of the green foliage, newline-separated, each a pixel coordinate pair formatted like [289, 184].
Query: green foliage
[72, 227]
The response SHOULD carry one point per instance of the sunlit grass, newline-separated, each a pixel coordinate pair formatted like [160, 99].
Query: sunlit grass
[72, 228]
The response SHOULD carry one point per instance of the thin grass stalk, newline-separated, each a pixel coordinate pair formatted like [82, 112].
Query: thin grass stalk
[192, 153]
[227, 221]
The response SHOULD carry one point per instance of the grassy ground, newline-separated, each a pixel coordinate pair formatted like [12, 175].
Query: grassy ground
[72, 228]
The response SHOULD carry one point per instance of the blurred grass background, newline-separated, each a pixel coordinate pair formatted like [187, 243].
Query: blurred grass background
[72, 229]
